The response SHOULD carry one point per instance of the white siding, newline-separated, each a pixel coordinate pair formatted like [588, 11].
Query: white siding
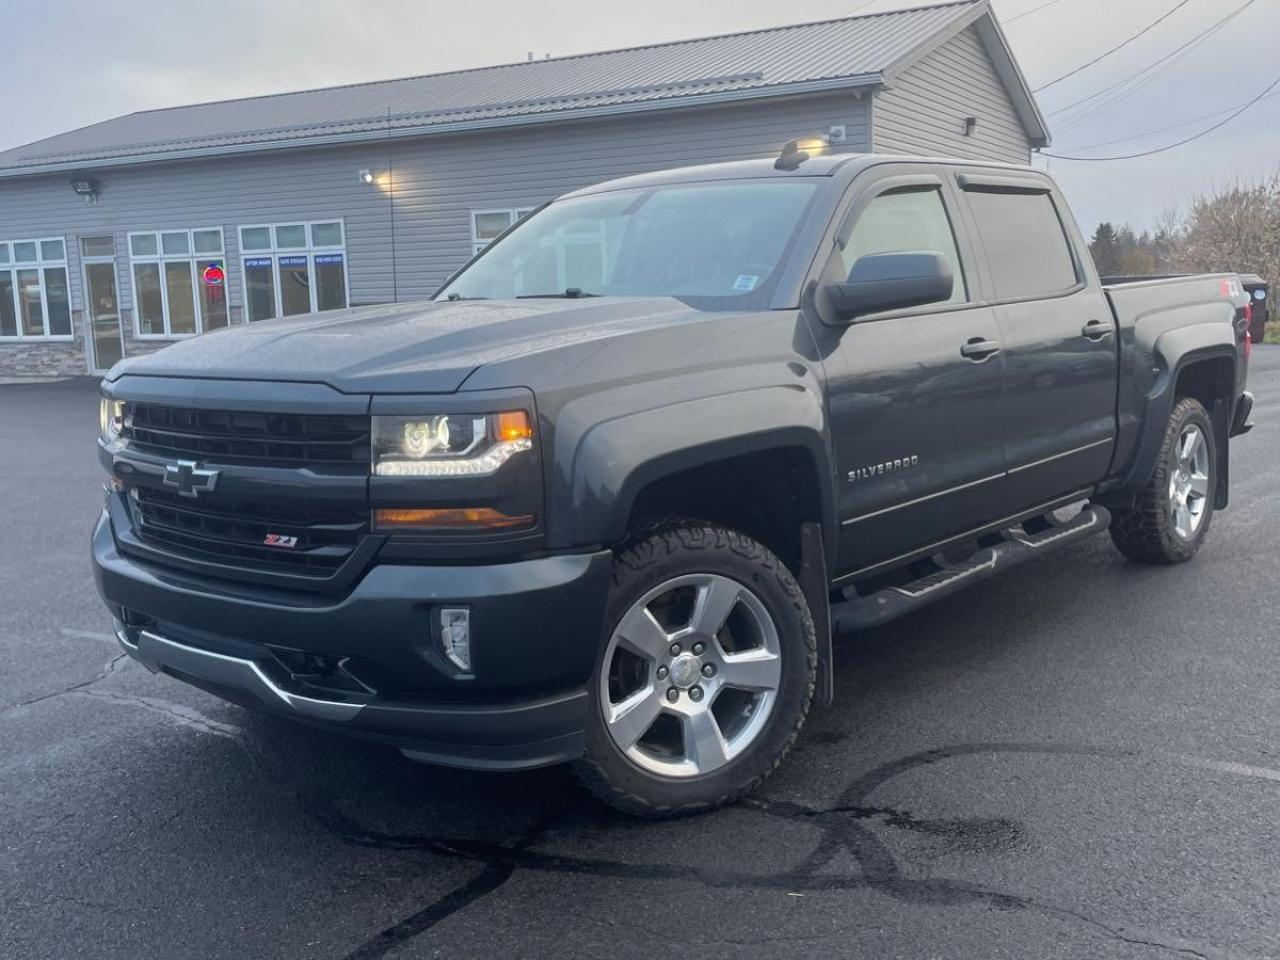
[438, 181]
[924, 110]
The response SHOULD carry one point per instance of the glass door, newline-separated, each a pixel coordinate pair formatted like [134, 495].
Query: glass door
[102, 303]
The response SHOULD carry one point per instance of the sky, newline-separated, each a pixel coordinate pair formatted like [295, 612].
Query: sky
[69, 63]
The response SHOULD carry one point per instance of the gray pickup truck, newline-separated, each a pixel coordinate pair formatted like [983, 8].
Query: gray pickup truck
[607, 498]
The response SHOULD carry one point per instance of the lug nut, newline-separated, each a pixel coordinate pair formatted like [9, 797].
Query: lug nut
[708, 669]
[695, 693]
[662, 673]
[673, 694]
[698, 648]
[675, 649]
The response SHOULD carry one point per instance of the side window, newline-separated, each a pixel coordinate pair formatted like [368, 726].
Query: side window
[906, 221]
[1026, 247]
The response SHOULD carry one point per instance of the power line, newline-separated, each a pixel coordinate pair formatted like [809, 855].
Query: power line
[1120, 46]
[1027, 13]
[1172, 126]
[1086, 114]
[1148, 73]
[1173, 146]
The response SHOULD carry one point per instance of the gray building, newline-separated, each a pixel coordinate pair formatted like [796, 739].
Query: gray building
[122, 236]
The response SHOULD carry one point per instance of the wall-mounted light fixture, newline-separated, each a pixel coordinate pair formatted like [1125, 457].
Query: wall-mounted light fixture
[366, 176]
[970, 125]
[84, 187]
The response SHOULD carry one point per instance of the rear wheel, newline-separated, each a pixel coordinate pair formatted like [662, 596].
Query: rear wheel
[1170, 520]
[705, 674]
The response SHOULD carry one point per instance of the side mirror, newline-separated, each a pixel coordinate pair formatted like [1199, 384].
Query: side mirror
[881, 282]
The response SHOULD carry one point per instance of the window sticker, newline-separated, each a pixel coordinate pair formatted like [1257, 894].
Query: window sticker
[746, 282]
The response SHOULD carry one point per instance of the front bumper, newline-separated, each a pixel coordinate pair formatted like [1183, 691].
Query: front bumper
[535, 631]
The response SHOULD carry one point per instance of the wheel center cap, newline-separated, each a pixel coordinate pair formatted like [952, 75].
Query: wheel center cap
[685, 670]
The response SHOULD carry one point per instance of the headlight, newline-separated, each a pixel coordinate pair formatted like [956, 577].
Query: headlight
[465, 445]
[110, 418]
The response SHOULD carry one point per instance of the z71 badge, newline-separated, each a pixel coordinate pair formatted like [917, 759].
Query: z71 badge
[279, 540]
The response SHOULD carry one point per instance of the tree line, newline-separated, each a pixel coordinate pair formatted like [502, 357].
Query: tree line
[1233, 230]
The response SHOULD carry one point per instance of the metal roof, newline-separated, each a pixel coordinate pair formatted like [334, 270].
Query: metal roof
[806, 57]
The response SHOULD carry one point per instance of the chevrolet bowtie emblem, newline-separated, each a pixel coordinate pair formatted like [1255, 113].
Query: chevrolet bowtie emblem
[190, 480]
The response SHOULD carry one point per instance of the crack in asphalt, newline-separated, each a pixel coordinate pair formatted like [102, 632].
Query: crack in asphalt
[843, 826]
[175, 713]
[113, 665]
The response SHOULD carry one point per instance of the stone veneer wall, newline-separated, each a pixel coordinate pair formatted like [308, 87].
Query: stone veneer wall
[66, 358]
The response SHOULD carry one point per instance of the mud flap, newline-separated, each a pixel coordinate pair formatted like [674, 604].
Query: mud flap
[813, 581]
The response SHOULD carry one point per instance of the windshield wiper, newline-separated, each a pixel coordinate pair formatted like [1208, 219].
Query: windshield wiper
[573, 293]
[455, 297]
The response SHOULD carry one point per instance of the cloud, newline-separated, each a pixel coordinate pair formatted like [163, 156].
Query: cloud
[77, 62]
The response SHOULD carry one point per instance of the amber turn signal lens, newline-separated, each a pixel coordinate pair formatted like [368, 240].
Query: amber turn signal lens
[450, 518]
[514, 425]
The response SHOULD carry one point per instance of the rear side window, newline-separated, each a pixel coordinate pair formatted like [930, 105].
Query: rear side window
[1027, 248]
[906, 221]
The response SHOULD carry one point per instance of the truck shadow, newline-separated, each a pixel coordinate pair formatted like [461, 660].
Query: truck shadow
[543, 823]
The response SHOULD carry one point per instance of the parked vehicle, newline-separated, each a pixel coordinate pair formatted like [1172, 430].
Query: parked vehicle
[606, 499]
[1259, 292]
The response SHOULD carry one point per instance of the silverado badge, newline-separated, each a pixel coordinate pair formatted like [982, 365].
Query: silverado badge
[879, 469]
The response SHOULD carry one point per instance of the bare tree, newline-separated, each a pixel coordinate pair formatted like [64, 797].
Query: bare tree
[1236, 229]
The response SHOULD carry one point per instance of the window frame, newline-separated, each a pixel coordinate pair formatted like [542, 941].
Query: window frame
[513, 214]
[864, 189]
[850, 225]
[40, 264]
[310, 250]
[160, 258]
[1020, 186]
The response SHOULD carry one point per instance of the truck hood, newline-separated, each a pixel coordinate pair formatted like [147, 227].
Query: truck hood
[406, 348]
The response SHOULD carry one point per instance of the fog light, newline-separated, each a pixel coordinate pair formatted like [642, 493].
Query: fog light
[455, 636]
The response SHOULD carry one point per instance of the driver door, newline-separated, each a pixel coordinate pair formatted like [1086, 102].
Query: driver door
[914, 396]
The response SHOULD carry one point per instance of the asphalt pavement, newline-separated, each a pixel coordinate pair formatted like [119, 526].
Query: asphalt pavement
[1078, 759]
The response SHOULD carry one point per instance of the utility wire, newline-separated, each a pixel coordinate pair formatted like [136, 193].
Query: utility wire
[1185, 48]
[1027, 13]
[1173, 146]
[1172, 126]
[1120, 46]
[1087, 113]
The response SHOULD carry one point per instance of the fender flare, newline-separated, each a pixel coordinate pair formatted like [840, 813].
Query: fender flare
[614, 459]
[1175, 351]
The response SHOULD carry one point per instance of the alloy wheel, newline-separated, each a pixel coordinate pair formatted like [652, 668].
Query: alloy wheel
[691, 674]
[1189, 482]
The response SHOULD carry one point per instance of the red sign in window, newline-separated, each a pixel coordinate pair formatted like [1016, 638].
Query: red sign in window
[214, 275]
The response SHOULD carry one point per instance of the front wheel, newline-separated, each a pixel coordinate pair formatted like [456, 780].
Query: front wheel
[1170, 520]
[705, 673]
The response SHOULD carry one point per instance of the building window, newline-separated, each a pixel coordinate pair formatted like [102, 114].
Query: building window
[35, 301]
[292, 268]
[179, 282]
[487, 225]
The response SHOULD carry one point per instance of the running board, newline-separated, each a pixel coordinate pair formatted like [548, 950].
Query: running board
[888, 604]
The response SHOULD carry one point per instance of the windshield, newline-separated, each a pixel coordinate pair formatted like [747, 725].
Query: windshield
[713, 245]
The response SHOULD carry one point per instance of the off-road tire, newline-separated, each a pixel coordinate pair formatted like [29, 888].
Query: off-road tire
[650, 557]
[1145, 532]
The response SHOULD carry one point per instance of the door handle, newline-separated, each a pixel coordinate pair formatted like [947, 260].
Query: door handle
[978, 349]
[1096, 330]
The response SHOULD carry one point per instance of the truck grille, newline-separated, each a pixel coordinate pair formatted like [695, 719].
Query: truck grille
[257, 439]
[225, 530]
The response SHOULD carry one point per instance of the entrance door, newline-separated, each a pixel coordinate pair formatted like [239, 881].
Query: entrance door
[102, 303]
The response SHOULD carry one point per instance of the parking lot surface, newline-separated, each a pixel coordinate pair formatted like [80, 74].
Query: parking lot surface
[1078, 759]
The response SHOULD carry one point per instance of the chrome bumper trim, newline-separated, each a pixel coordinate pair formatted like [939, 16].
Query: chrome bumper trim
[157, 653]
